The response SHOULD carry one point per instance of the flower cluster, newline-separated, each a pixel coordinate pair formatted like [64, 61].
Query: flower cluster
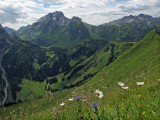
[122, 85]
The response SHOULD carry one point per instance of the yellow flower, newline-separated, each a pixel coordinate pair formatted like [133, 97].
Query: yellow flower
[144, 114]
[139, 95]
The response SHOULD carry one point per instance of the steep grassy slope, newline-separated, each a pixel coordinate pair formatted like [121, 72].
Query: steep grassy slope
[140, 63]
[86, 61]
[23, 60]
[67, 68]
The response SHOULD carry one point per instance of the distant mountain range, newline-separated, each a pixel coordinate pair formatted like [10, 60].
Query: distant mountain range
[128, 28]
[56, 30]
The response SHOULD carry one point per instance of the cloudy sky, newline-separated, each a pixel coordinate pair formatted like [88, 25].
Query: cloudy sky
[16, 13]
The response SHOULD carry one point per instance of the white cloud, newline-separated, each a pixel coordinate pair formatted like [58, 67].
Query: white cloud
[15, 13]
[151, 7]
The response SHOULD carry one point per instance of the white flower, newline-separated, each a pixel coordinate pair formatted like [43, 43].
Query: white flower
[140, 83]
[62, 104]
[70, 99]
[121, 84]
[125, 88]
[99, 93]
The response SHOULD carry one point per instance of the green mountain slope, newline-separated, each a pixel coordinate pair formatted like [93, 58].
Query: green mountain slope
[140, 63]
[66, 69]
[50, 68]
[86, 60]
[18, 59]
[56, 30]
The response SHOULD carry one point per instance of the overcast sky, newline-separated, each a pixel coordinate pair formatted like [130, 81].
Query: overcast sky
[16, 13]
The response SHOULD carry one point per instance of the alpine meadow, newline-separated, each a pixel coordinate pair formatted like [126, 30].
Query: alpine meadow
[79, 60]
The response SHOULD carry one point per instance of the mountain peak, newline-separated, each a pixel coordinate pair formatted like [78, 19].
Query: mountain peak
[74, 18]
[58, 13]
[56, 17]
[5, 39]
[129, 19]
[1, 26]
[145, 16]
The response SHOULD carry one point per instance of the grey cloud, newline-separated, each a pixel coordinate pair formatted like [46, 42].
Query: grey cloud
[133, 8]
[11, 15]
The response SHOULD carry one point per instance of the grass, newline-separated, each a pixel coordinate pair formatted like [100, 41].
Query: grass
[140, 63]
[31, 90]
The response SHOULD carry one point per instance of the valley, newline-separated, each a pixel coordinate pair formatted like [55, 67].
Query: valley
[52, 69]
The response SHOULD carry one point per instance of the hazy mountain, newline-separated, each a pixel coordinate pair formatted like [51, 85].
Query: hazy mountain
[136, 19]
[128, 28]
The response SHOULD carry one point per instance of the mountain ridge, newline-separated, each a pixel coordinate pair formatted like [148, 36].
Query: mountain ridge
[123, 29]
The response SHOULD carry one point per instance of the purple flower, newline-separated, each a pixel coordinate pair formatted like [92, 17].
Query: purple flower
[95, 105]
[77, 98]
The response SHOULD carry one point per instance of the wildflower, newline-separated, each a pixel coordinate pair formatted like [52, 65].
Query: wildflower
[77, 98]
[125, 88]
[121, 84]
[139, 95]
[99, 93]
[144, 114]
[94, 105]
[62, 104]
[70, 99]
[140, 83]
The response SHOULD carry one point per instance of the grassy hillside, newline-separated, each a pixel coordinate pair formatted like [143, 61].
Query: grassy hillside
[139, 64]
[66, 68]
